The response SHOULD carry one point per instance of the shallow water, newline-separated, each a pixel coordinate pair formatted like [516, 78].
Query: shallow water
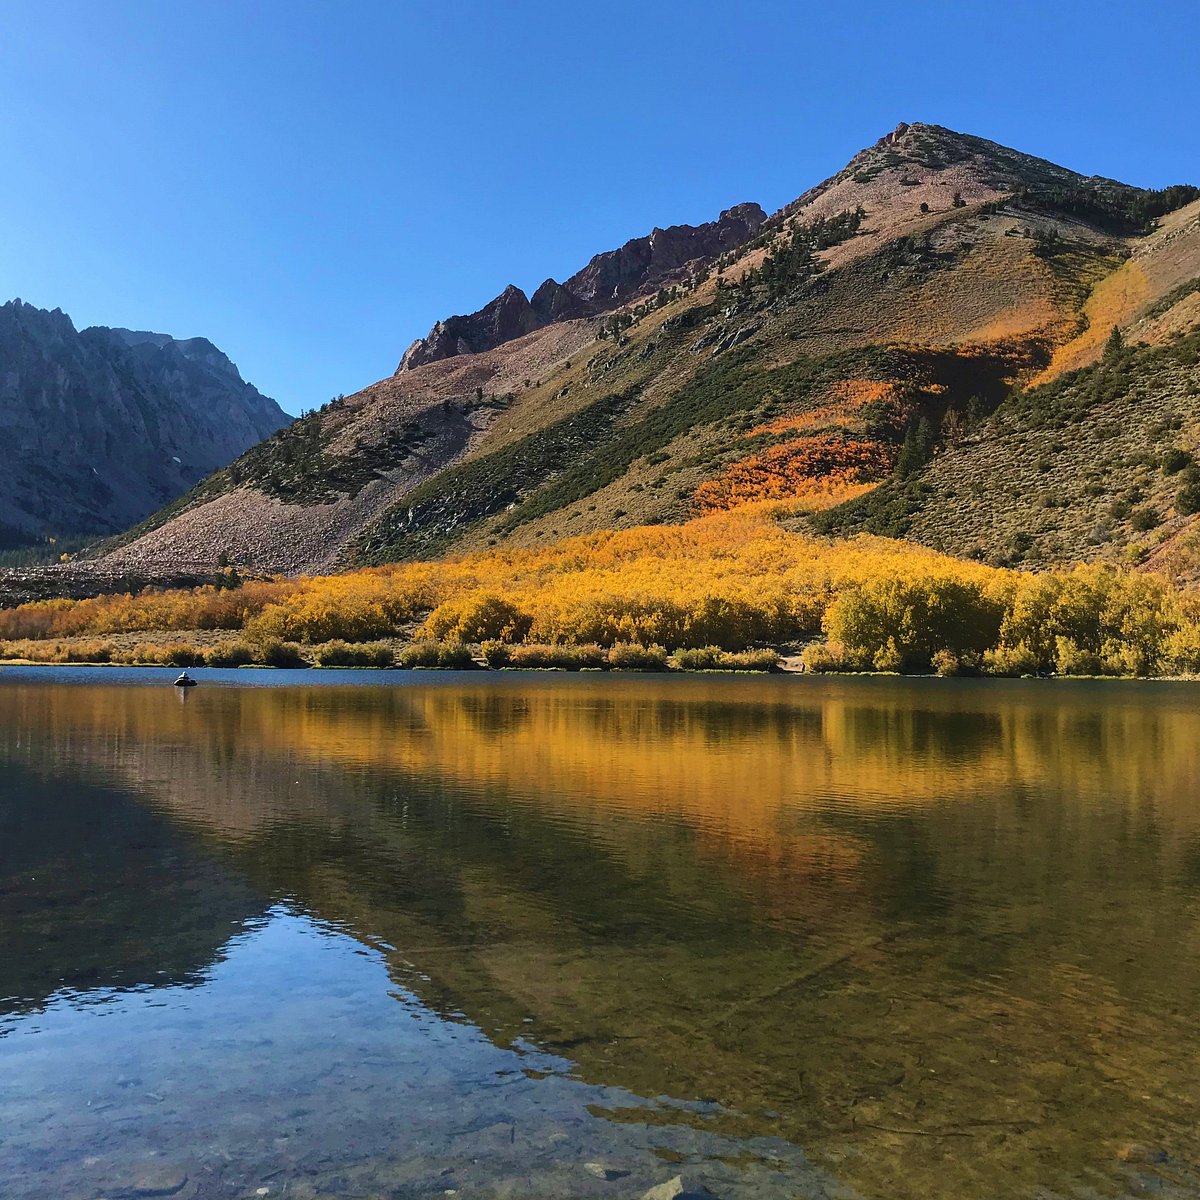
[363, 934]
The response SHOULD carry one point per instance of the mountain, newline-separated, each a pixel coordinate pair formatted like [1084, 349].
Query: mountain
[100, 427]
[927, 305]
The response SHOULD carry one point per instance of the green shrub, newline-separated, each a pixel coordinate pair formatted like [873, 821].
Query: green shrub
[275, 653]
[1176, 460]
[946, 663]
[713, 658]
[1143, 519]
[419, 654]
[175, 654]
[229, 654]
[1011, 661]
[630, 656]
[497, 655]
[562, 657]
[1187, 499]
[364, 654]
[445, 656]
[823, 657]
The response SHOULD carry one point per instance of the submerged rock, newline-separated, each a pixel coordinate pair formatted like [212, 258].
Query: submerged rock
[150, 1182]
[608, 1174]
[679, 1189]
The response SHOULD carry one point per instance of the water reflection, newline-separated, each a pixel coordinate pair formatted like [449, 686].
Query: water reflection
[940, 936]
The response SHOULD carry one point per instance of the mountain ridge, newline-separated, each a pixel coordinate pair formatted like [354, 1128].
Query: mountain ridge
[612, 276]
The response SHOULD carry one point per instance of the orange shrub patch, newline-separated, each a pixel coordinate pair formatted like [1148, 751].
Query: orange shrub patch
[801, 467]
[846, 398]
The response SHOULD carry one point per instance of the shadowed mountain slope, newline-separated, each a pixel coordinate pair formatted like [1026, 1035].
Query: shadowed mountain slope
[101, 426]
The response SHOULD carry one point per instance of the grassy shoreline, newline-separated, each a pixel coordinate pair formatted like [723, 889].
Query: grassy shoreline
[786, 666]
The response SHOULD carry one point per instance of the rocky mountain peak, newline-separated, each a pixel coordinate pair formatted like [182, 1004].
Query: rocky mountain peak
[609, 279]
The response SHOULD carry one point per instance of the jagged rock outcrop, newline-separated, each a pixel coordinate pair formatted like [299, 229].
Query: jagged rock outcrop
[507, 317]
[100, 427]
[645, 262]
[608, 279]
[553, 302]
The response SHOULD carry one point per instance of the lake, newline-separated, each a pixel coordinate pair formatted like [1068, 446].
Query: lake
[411, 934]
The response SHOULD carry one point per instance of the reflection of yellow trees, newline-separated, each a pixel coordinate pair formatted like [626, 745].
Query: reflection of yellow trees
[732, 759]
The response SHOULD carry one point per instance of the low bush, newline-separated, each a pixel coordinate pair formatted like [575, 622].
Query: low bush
[275, 653]
[1011, 661]
[445, 656]
[364, 654]
[713, 658]
[496, 654]
[1187, 498]
[564, 658]
[1176, 460]
[1144, 519]
[630, 656]
[33, 650]
[229, 654]
[946, 663]
[172, 654]
[821, 658]
[87, 652]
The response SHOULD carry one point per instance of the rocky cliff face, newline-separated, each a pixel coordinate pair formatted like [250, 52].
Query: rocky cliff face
[610, 278]
[102, 426]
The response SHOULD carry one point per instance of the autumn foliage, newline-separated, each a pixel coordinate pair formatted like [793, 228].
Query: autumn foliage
[819, 465]
[725, 582]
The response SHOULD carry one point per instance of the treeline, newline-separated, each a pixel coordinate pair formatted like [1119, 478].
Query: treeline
[1116, 209]
[724, 584]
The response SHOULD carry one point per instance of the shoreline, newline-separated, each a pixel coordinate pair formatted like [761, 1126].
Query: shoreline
[299, 674]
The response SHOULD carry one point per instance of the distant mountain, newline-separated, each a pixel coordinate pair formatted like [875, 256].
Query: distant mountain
[102, 426]
[910, 326]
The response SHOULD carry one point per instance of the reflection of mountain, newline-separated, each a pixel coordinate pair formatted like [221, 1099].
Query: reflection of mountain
[866, 908]
[98, 891]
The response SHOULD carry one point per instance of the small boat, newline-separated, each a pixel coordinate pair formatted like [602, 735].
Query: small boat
[185, 680]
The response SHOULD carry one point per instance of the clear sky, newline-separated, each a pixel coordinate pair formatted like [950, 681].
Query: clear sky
[311, 184]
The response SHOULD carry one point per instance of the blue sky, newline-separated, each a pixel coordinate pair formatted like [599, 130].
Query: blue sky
[312, 184]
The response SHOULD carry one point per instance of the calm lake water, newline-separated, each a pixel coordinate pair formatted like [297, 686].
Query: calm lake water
[393, 935]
